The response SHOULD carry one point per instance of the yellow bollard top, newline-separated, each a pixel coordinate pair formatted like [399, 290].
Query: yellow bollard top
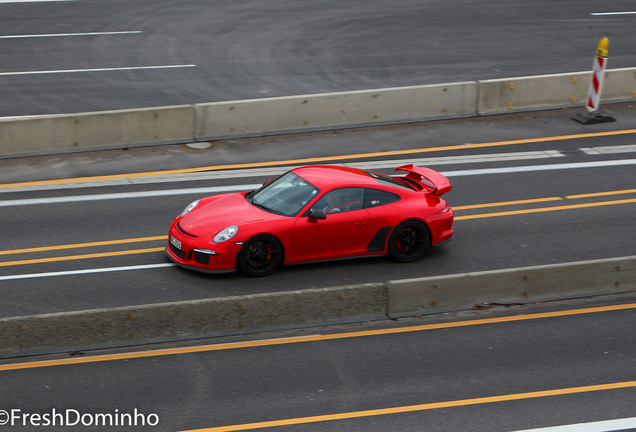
[603, 44]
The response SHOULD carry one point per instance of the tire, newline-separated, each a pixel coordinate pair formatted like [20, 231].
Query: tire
[409, 241]
[260, 256]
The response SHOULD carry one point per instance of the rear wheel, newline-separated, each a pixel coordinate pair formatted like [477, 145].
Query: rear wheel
[260, 256]
[409, 241]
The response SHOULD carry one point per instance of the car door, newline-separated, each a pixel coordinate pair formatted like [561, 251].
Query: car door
[342, 232]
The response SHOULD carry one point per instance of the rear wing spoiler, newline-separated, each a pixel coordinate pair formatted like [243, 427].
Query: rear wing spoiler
[433, 180]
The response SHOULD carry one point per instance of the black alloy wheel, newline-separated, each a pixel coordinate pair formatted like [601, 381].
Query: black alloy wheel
[260, 256]
[409, 241]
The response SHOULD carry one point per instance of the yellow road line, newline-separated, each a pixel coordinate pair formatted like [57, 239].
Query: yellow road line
[80, 257]
[420, 407]
[324, 159]
[83, 245]
[547, 199]
[545, 209]
[598, 194]
[315, 338]
[506, 203]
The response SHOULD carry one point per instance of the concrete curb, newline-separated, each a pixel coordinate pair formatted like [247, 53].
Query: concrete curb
[134, 325]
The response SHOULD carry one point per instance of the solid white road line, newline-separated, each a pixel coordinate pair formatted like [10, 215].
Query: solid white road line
[275, 171]
[86, 271]
[114, 69]
[70, 34]
[613, 13]
[127, 195]
[601, 426]
[531, 168]
[246, 187]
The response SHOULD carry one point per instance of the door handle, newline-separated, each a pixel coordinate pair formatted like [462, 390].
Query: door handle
[362, 222]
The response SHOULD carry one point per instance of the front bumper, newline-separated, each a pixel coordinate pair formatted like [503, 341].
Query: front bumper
[194, 254]
[197, 268]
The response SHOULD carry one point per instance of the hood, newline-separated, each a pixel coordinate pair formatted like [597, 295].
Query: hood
[219, 212]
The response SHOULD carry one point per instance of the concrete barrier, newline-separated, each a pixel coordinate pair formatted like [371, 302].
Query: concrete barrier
[552, 91]
[134, 325]
[334, 110]
[190, 319]
[521, 285]
[86, 131]
[619, 85]
[532, 92]
[219, 120]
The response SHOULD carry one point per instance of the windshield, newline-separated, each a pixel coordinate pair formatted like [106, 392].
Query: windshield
[287, 195]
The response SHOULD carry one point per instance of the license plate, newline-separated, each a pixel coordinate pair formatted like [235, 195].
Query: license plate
[176, 243]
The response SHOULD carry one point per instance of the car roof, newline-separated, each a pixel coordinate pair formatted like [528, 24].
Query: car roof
[327, 175]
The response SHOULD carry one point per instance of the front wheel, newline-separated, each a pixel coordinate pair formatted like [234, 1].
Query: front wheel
[260, 256]
[409, 241]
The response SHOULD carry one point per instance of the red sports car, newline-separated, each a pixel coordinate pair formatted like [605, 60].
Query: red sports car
[314, 213]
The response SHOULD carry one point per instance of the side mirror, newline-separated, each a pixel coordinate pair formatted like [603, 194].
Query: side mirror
[317, 214]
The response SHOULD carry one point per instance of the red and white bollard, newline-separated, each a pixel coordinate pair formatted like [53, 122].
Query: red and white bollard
[598, 73]
[594, 115]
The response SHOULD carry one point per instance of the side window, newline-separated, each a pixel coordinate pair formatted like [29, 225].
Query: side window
[341, 200]
[376, 198]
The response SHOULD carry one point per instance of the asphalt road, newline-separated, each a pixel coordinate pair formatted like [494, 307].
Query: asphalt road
[533, 209]
[91, 55]
[500, 370]
[539, 212]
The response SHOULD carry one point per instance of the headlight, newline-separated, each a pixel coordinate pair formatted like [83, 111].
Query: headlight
[189, 208]
[226, 234]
